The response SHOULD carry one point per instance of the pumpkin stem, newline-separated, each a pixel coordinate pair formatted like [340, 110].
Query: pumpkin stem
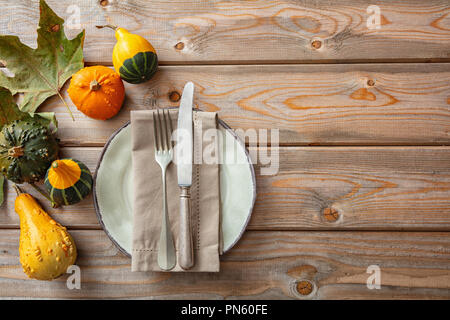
[16, 152]
[95, 85]
[16, 187]
[54, 204]
[111, 26]
[58, 164]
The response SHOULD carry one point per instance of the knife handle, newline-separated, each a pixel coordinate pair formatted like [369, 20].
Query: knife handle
[186, 252]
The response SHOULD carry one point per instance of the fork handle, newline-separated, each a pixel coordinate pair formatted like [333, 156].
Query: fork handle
[166, 247]
[186, 252]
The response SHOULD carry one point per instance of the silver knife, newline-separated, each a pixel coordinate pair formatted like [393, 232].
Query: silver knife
[184, 171]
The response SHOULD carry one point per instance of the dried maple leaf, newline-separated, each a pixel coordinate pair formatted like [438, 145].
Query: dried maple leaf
[10, 112]
[40, 73]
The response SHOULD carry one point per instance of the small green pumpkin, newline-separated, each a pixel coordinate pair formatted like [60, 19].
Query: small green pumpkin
[26, 150]
[68, 181]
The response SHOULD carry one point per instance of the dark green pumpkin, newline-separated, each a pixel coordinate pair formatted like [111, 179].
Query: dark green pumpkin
[68, 181]
[26, 150]
[139, 68]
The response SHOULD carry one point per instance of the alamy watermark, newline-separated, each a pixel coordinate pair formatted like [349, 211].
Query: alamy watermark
[374, 19]
[374, 280]
[91, 14]
[74, 280]
[215, 146]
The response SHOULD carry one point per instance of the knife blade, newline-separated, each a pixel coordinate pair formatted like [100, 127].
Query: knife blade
[184, 154]
[185, 137]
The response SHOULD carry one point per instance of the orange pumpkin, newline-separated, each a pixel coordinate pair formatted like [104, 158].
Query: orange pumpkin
[97, 91]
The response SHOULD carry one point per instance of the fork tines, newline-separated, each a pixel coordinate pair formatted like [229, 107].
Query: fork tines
[162, 130]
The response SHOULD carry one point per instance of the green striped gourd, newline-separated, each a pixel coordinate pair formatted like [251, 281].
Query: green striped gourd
[134, 58]
[68, 181]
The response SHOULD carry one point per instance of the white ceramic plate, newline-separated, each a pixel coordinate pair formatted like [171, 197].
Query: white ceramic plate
[113, 192]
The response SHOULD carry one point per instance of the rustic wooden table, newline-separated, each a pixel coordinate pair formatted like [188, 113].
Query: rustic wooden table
[364, 120]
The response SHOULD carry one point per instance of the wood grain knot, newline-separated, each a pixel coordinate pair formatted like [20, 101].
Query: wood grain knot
[302, 272]
[316, 44]
[304, 287]
[330, 214]
[370, 82]
[174, 96]
[179, 46]
[104, 3]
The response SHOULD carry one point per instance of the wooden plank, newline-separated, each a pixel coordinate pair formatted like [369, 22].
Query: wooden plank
[250, 31]
[263, 265]
[381, 104]
[367, 188]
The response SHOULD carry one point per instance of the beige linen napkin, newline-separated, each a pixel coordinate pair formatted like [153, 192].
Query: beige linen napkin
[147, 198]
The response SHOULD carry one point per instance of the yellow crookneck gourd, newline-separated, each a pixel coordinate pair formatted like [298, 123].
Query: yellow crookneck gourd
[46, 248]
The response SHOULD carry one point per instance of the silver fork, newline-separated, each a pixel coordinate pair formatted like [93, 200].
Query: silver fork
[163, 156]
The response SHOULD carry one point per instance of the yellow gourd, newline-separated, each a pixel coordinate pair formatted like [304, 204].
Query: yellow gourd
[134, 58]
[46, 248]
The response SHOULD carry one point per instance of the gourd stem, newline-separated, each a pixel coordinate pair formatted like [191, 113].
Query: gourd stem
[111, 26]
[67, 106]
[54, 204]
[16, 152]
[16, 187]
[60, 167]
[94, 85]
